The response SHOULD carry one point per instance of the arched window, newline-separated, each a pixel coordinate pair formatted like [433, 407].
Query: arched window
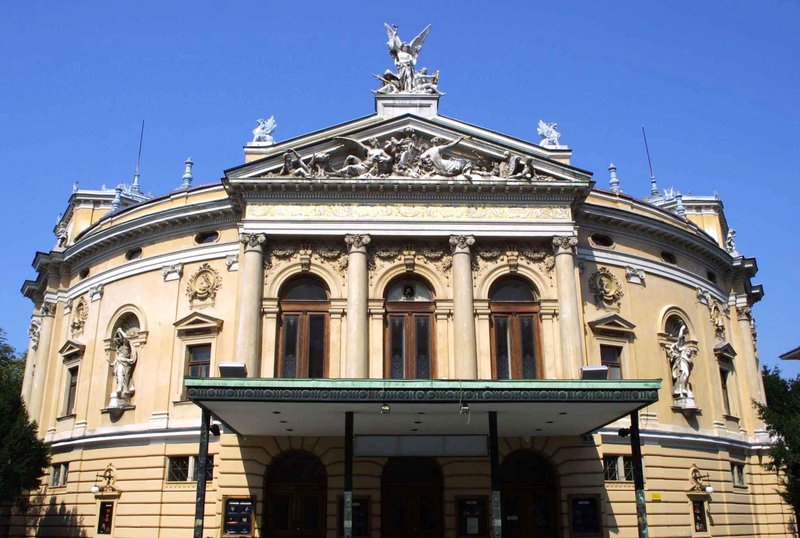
[673, 324]
[409, 329]
[303, 339]
[515, 329]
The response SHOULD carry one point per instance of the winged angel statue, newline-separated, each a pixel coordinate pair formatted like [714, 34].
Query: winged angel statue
[405, 55]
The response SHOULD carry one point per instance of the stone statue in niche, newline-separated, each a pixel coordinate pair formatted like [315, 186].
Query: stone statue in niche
[681, 359]
[123, 362]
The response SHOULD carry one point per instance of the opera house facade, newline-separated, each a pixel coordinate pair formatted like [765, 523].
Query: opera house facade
[402, 325]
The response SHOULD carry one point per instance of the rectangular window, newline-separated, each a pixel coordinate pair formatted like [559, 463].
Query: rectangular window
[185, 468]
[397, 347]
[737, 474]
[291, 347]
[423, 343]
[699, 516]
[502, 347]
[199, 360]
[106, 517]
[723, 379]
[611, 357]
[72, 390]
[58, 475]
[618, 468]
[316, 346]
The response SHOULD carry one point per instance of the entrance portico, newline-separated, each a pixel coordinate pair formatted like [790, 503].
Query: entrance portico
[422, 418]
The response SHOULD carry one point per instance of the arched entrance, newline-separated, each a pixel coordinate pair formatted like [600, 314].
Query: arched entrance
[529, 490]
[295, 484]
[411, 498]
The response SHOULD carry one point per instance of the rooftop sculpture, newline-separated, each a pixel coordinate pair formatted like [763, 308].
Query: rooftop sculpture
[405, 54]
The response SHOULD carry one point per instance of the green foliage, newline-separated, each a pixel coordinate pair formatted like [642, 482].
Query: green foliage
[782, 417]
[23, 457]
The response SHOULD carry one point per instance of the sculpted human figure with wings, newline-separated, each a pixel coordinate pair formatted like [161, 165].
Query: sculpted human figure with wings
[405, 55]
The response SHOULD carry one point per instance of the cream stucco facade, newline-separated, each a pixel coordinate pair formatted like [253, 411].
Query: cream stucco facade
[208, 269]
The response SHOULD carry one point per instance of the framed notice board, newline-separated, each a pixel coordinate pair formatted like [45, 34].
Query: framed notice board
[473, 517]
[584, 515]
[239, 516]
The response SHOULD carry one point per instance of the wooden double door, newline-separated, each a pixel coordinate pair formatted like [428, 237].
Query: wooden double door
[411, 498]
[528, 512]
[296, 511]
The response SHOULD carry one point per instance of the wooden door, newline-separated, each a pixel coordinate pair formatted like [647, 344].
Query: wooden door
[296, 512]
[408, 511]
[529, 513]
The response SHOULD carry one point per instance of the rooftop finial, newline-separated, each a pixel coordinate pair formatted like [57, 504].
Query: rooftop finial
[187, 175]
[653, 185]
[135, 186]
[116, 204]
[679, 208]
[74, 186]
[613, 180]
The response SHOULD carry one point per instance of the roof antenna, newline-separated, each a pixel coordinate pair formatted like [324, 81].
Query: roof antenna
[653, 186]
[135, 187]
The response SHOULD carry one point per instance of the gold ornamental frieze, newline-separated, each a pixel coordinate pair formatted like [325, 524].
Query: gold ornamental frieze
[406, 211]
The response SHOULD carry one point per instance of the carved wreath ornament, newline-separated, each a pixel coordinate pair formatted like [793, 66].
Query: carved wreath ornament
[606, 288]
[204, 284]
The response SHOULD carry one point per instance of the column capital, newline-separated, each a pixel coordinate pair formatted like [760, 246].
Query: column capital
[564, 244]
[357, 242]
[252, 241]
[48, 309]
[461, 243]
[744, 312]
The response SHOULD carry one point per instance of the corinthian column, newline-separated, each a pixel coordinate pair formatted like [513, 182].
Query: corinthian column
[568, 316]
[251, 291]
[40, 361]
[465, 348]
[755, 383]
[356, 360]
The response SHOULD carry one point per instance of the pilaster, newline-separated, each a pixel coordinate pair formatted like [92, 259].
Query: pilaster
[466, 364]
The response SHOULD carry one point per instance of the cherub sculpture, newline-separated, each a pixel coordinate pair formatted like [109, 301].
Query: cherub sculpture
[550, 136]
[262, 134]
[405, 55]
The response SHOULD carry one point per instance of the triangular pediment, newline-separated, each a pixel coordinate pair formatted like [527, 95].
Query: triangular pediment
[71, 348]
[410, 147]
[198, 322]
[613, 323]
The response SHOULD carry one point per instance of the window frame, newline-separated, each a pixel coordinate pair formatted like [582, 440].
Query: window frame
[620, 467]
[727, 381]
[620, 358]
[193, 330]
[738, 474]
[409, 311]
[304, 310]
[59, 474]
[191, 468]
[514, 310]
[71, 388]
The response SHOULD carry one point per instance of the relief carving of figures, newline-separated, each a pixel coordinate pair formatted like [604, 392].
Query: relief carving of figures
[122, 362]
[434, 163]
[203, 284]
[681, 355]
[293, 165]
[606, 289]
[33, 333]
[365, 160]
[80, 313]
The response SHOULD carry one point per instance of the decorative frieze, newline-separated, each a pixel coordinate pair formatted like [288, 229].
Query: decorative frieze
[395, 212]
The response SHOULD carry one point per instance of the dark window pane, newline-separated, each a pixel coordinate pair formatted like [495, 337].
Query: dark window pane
[305, 289]
[501, 348]
[528, 348]
[280, 512]
[611, 356]
[311, 512]
[628, 464]
[610, 467]
[316, 347]
[199, 360]
[71, 389]
[723, 378]
[178, 469]
[105, 518]
[699, 516]
[289, 352]
[512, 289]
[423, 341]
[397, 347]
[209, 468]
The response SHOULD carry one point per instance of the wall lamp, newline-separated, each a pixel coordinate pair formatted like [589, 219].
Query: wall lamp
[385, 409]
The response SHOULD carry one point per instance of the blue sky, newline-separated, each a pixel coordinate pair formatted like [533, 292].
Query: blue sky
[715, 83]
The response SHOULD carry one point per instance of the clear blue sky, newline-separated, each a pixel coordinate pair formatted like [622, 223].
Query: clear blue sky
[716, 84]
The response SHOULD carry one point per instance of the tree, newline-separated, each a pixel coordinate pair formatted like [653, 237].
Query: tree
[23, 457]
[780, 414]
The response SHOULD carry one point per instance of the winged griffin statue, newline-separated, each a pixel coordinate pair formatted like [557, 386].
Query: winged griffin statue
[407, 79]
[550, 136]
[262, 134]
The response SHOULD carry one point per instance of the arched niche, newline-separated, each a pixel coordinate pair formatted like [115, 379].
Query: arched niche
[432, 277]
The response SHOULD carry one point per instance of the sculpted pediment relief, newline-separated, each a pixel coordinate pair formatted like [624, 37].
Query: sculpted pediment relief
[407, 147]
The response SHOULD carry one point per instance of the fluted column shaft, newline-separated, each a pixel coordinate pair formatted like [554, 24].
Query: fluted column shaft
[465, 348]
[41, 361]
[755, 383]
[568, 314]
[357, 338]
[248, 332]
